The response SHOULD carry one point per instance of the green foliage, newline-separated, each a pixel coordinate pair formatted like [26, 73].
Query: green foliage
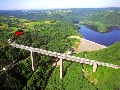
[100, 17]
[110, 54]
[53, 37]
[9, 54]
[73, 78]
[103, 19]
[38, 79]
[9, 82]
[104, 78]
[47, 36]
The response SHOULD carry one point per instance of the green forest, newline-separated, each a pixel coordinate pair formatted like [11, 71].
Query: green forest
[102, 18]
[49, 30]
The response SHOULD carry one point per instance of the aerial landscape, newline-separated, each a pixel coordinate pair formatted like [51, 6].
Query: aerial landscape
[59, 45]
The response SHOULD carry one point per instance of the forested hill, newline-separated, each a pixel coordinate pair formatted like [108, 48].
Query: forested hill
[80, 76]
[100, 17]
[49, 29]
[49, 35]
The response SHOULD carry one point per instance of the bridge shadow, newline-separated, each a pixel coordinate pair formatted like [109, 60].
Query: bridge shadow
[66, 68]
[55, 62]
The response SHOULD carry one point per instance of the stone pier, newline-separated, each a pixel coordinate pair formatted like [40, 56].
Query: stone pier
[62, 56]
[94, 67]
[34, 67]
[61, 68]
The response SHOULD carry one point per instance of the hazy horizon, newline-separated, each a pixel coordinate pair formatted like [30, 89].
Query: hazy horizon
[57, 8]
[56, 4]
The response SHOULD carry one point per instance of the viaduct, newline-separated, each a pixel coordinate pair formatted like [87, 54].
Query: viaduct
[61, 56]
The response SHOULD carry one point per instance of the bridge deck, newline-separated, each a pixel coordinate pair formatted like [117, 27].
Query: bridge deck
[65, 56]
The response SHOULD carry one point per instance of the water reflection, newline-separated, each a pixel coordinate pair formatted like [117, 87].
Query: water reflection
[111, 36]
[95, 28]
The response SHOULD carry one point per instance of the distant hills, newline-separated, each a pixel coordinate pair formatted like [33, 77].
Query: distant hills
[49, 29]
[100, 17]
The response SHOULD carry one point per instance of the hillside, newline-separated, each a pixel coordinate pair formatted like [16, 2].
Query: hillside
[109, 54]
[102, 18]
[49, 30]
[81, 76]
[50, 36]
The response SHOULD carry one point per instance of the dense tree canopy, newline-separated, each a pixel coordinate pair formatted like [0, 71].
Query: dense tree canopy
[51, 36]
[50, 29]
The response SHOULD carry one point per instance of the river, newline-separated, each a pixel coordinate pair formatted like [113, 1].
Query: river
[106, 39]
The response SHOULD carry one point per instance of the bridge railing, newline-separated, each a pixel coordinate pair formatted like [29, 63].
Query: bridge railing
[65, 56]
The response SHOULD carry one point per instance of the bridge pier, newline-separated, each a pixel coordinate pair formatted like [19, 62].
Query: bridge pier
[34, 67]
[61, 68]
[94, 67]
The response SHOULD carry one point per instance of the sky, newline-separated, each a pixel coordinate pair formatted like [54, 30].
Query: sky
[52, 4]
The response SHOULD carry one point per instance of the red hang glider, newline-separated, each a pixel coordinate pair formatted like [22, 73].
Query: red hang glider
[20, 32]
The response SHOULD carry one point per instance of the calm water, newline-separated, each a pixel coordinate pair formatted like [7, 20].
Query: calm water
[101, 38]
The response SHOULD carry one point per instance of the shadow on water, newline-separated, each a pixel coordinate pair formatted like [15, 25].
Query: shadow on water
[107, 38]
[92, 27]
[95, 28]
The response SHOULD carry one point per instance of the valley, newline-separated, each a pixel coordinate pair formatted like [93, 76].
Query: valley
[49, 30]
